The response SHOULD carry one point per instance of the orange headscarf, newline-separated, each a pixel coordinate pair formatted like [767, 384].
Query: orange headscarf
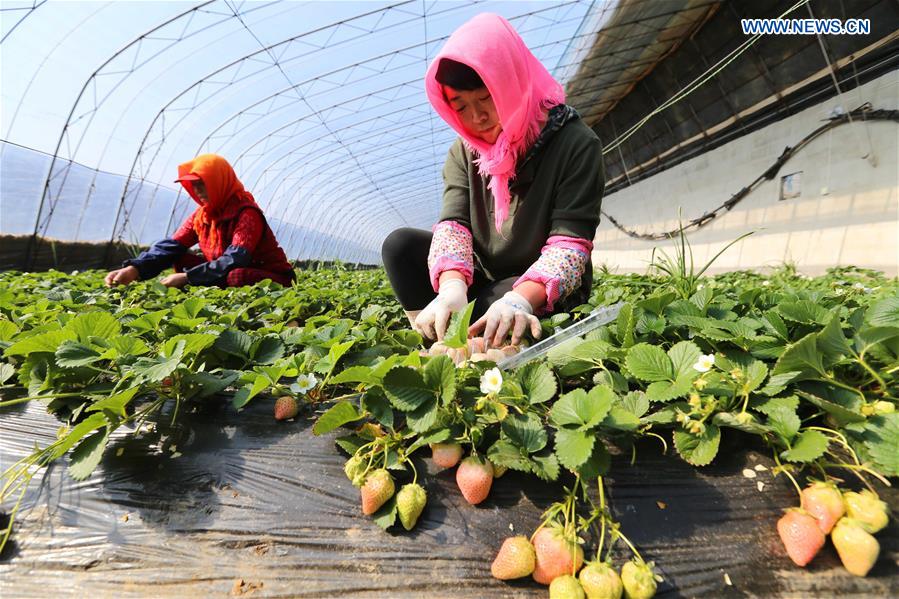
[226, 196]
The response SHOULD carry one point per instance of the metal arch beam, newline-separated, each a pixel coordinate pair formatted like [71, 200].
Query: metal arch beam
[249, 56]
[303, 182]
[129, 179]
[553, 7]
[31, 248]
[362, 206]
[34, 6]
[359, 187]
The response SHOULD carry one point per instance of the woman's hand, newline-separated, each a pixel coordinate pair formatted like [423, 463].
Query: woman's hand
[177, 280]
[122, 276]
[433, 320]
[511, 312]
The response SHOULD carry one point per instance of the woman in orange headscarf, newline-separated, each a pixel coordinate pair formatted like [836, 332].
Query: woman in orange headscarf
[238, 246]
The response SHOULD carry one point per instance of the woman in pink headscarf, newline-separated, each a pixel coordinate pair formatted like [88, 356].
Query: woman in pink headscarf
[523, 187]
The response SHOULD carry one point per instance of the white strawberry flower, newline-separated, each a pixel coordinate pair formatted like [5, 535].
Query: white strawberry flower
[305, 382]
[491, 381]
[705, 362]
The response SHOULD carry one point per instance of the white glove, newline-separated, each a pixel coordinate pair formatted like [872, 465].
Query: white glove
[512, 313]
[433, 320]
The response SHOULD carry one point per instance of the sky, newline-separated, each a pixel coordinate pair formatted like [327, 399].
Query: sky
[319, 105]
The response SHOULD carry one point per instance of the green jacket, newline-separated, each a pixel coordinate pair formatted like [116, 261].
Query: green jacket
[557, 190]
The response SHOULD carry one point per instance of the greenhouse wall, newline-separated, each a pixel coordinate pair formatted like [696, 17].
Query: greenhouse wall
[840, 194]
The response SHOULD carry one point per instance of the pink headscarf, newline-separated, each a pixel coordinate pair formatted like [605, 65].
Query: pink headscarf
[522, 90]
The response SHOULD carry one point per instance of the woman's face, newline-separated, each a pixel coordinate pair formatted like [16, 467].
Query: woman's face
[477, 112]
[200, 191]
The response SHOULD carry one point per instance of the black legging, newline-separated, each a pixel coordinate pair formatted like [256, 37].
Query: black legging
[405, 256]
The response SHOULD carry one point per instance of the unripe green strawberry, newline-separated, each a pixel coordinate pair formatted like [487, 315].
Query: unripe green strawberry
[638, 580]
[474, 477]
[516, 558]
[557, 554]
[600, 581]
[867, 508]
[801, 535]
[378, 488]
[286, 407]
[410, 503]
[565, 587]
[498, 471]
[355, 469]
[857, 548]
[825, 502]
[446, 455]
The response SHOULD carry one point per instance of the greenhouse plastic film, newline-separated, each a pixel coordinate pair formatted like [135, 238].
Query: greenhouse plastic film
[239, 503]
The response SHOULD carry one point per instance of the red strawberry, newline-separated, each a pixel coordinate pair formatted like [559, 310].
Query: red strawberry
[857, 548]
[638, 580]
[600, 581]
[474, 477]
[801, 535]
[515, 559]
[565, 587]
[286, 407]
[825, 502]
[410, 503]
[476, 345]
[557, 554]
[446, 455]
[378, 488]
[867, 508]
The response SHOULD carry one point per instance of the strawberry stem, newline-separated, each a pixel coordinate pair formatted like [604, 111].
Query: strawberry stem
[781, 468]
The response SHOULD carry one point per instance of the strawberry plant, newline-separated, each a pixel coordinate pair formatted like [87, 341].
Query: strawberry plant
[808, 366]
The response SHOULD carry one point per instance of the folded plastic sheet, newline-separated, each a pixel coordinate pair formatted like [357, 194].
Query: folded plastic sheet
[241, 504]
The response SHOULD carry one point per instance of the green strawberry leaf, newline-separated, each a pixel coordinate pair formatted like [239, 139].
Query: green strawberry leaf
[386, 516]
[831, 341]
[114, 403]
[803, 357]
[698, 450]
[376, 403]
[525, 431]
[842, 404]
[457, 331]
[336, 416]
[882, 442]
[537, 382]
[807, 447]
[804, 312]
[574, 447]
[424, 417]
[87, 455]
[71, 354]
[234, 343]
[597, 464]
[546, 467]
[582, 409]
[406, 389]
[884, 313]
[667, 390]
[440, 376]
[784, 422]
[621, 419]
[505, 453]
[731, 420]
[355, 374]
[94, 324]
[649, 363]
[683, 356]
[635, 402]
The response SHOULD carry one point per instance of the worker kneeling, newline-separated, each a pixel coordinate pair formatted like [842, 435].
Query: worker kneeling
[239, 248]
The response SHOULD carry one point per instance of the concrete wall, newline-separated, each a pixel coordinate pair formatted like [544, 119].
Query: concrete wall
[847, 213]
